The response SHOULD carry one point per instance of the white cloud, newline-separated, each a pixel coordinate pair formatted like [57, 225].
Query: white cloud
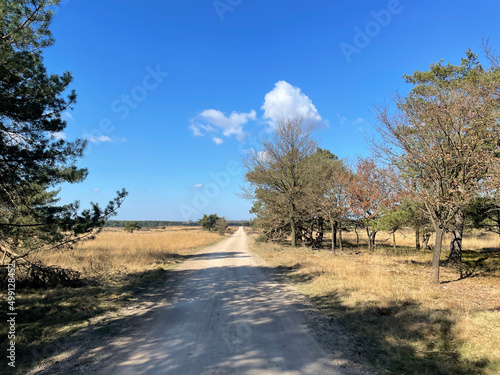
[67, 116]
[96, 190]
[217, 141]
[197, 186]
[58, 135]
[283, 102]
[13, 138]
[263, 156]
[212, 120]
[359, 120]
[97, 139]
[199, 130]
[287, 101]
[342, 119]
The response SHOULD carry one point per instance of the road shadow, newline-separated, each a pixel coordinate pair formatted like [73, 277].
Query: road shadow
[219, 255]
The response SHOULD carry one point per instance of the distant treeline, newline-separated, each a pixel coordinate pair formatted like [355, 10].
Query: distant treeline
[156, 224]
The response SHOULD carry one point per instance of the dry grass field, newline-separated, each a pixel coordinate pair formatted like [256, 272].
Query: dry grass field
[118, 251]
[118, 268]
[400, 323]
[473, 239]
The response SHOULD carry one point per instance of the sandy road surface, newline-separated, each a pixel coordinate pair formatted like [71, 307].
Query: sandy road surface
[226, 317]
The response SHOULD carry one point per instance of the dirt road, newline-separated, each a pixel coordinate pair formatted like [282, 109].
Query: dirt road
[226, 317]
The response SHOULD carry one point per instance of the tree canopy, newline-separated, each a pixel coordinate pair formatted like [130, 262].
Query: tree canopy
[443, 138]
[209, 222]
[35, 158]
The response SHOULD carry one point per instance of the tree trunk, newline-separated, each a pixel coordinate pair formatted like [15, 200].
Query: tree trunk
[319, 239]
[333, 236]
[340, 236]
[498, 227]
[394, 240]
[427, 237]
[436, 256]
[456, 238]
[371, 238]
[357, 235]
[294, 234]
[417, 237]
[334, 233]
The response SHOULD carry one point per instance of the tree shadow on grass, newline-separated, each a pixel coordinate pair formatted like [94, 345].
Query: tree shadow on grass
[402, 337]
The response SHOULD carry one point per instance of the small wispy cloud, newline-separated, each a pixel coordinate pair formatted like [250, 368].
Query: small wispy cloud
[96, 190]
[67, 116]
[214, 121]
[196, 187]
[58, 135]
[356, 122]
[342, 119]
[97, 139]
[199, 130]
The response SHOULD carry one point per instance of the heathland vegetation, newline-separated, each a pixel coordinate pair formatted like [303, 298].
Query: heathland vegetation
[359, 237]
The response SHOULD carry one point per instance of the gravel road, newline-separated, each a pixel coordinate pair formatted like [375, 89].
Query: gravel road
[223, 311]
[226, 317]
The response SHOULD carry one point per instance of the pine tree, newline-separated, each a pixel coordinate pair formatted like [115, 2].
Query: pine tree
[34, 158]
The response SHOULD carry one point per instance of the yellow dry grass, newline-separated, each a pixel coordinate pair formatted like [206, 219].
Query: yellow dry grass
[402, 324]
[473, 240]
[118, 250]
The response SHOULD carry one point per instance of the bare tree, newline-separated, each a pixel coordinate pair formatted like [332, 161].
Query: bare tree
[371, 192]
[278, 175]
[492, 57]
[329, 191]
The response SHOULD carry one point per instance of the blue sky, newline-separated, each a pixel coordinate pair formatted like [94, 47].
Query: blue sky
[171, 94]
